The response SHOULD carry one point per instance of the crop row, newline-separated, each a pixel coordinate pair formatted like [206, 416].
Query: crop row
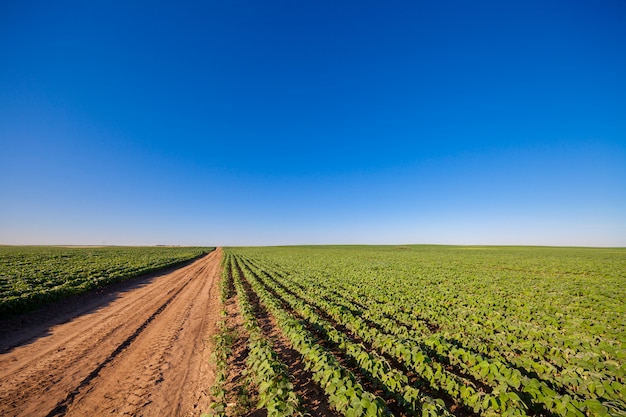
[567, 378]
[394, 339]
[504, 395]
[374, 366]
[414, 358]
[343, 390]
[276, 393]
[222, 347]
[33, 276]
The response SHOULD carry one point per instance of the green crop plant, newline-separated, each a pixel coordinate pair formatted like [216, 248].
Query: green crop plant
[493, 330]
[31, 276]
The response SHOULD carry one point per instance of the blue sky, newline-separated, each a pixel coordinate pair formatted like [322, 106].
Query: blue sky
[284, 122]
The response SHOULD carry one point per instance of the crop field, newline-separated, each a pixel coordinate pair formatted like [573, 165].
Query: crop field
[30, 276]
[422, 330]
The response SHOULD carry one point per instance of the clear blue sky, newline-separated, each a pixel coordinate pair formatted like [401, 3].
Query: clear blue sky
[289, 122]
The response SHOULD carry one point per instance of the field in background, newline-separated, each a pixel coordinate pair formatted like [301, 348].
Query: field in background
[30, 276]
[427, 330]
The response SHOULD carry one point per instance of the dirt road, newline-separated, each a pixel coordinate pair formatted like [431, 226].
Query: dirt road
[139, 348]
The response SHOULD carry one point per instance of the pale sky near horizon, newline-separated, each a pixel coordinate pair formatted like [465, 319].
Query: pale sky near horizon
[280, 122]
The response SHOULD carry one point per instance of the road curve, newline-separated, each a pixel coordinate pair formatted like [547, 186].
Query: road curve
[142, 351]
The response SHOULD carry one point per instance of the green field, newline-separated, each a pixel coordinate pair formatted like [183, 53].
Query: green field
[444, 330]
[30, 276]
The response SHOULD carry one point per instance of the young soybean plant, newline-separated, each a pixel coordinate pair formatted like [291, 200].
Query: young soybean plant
[222, 349]
[276, 393]
[343, 390]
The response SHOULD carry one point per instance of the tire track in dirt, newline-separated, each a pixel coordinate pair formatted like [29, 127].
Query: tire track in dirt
[144, 353]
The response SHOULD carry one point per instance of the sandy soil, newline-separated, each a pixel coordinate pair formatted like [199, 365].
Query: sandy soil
[138, 348]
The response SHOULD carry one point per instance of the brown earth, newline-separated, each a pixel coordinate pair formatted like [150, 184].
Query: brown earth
[137, 348]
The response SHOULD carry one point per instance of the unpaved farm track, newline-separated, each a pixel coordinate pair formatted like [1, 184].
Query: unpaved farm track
[140, 349]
